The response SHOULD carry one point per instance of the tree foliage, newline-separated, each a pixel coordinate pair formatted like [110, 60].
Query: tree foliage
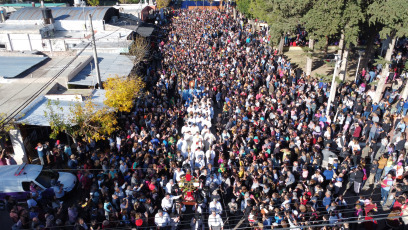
[83, 119]
[5, 125]
[162, 3]
[121, 92]
[243, 6]
[392, 15]
[281, 15]
[323, 20]
[139, 49]
[92, 123]
[93, 2]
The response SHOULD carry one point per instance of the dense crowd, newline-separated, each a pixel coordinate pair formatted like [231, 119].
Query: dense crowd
[251, 129]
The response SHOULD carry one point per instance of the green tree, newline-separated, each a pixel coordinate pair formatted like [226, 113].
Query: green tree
[321, 22]
[392, 16]
[282, 16]
[243, 6]
[81, 120]
[93, 2]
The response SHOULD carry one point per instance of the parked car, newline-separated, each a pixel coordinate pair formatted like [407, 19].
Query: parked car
[16, 180]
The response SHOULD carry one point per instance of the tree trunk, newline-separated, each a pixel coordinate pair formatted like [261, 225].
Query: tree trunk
[341, 44]
[309, 60]
[343, 68]
[385, 71]
[234, 13]
[333, 89]
[326, 46]
[280, 48]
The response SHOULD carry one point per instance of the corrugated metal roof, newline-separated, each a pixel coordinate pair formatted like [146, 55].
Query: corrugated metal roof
[13, 66]
[61, 13]
[110, 65]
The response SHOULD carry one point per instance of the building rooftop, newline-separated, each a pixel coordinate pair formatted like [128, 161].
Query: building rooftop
[21, 5]
[34, 113]
[64, 13]
[110, 65]
[6, 28]
[17, 93]
[13, 66]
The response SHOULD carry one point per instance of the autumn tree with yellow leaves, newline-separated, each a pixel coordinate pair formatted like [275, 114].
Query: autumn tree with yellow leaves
[88, 121]
[85, 120]
[162, 3]
[121, 92]
[6, 124]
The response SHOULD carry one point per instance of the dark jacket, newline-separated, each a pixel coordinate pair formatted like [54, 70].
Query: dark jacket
[359, 176]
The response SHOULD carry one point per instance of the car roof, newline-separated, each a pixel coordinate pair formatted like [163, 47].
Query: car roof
[18, 172]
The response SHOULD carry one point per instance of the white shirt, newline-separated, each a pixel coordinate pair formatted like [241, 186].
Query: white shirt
[216, 207]
[214, 221]
[177, 175]
[210, 155]
[162, 221]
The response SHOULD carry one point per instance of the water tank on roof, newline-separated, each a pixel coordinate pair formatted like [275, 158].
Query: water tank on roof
[47, 16]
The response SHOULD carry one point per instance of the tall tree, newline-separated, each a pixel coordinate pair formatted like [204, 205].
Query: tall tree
[243, 6]
[392, 15]
[282, 16]
[352, 19]
[322, 21]
[82, 120]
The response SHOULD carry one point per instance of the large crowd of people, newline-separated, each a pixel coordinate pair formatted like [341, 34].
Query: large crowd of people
[253, 133]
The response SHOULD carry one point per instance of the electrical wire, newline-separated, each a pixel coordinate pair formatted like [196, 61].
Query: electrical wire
[40, 90]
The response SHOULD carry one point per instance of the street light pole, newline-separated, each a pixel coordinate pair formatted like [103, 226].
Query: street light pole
[98, 75]
[360, 53]
[333, 86]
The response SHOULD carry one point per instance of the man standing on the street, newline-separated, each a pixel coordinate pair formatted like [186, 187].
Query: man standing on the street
[215, 221]
[162, 219]
[386, 185]
[373, 171]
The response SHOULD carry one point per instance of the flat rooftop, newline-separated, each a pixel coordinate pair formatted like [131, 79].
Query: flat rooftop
[110, 65]
[13, 66]
[16, 93]
[34, 113]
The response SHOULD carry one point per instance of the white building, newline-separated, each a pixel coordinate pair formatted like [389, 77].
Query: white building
[61, 29]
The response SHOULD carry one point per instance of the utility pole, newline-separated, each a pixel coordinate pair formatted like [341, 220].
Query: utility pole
[333, 86]
[98, 75]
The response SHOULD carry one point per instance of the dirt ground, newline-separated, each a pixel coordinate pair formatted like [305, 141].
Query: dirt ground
[298, 59]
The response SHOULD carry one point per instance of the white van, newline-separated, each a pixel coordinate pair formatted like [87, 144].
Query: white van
[15, 180]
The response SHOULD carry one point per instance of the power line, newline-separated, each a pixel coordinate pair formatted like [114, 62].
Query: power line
[41, 89]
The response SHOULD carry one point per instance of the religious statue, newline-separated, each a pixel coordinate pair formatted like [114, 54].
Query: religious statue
[188, 185]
